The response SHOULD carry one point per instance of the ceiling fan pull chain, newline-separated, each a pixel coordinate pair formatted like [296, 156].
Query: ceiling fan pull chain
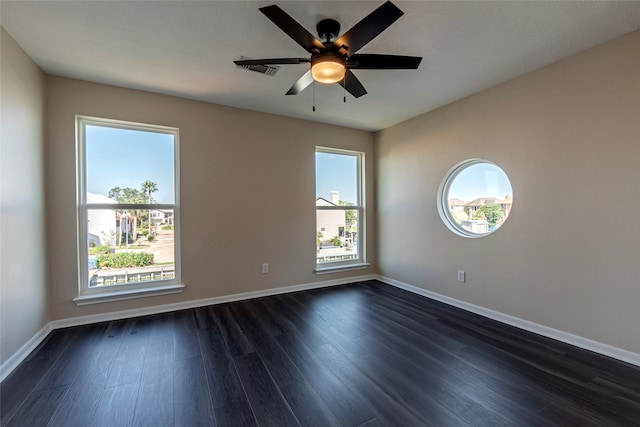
[344, 88]
[314, 96]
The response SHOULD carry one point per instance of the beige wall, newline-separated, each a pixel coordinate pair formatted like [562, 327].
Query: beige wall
[23, 289]
[247, 192]
[568, 136]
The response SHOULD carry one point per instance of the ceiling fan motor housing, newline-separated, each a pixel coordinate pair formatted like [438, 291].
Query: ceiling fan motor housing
[328, 29]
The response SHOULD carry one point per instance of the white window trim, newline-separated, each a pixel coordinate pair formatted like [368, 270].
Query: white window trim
[87, 295]
[341, 268]
[360, 262]
[443, 198]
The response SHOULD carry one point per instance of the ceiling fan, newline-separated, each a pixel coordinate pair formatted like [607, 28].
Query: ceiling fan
[332, 61]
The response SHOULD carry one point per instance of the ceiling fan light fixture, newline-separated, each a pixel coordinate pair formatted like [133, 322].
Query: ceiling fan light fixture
[329, 57]
[328, 68]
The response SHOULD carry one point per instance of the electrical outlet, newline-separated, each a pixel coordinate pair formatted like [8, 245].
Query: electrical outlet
[265, 268]
[462, 276]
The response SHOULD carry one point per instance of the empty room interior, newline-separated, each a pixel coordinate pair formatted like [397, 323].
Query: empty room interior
[445, 232]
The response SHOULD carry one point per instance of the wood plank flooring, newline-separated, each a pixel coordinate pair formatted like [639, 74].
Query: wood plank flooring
[365, 354]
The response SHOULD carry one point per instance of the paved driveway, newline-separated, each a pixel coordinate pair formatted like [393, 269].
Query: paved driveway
[162, 246]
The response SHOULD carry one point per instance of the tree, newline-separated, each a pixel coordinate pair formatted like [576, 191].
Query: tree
[351, 220]
[480, 214]
[149, 187]
[350, 215]
[132, 195]
[492, 213]
[116, 194]
[128, 195]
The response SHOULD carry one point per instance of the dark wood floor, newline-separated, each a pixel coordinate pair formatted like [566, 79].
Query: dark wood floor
[366, 354]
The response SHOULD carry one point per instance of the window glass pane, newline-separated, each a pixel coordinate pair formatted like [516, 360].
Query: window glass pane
[337, 178]
[477, 198]
[124, 165]
[122, 253]
[130, 166]
[337, 190]
[338, 241]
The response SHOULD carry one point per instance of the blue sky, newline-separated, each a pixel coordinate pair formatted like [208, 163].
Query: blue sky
[480, 180]
[337, 172]
[126, 158]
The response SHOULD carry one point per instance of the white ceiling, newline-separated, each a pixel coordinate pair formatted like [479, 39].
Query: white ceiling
[187, 48]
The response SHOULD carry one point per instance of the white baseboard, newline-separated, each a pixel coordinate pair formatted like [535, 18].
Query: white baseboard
[7, 367]
[576, 340]
[11, 363]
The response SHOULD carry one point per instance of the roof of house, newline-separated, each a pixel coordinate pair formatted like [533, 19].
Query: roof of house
[98, 198]
[456, 202]
[459, 215]
[321, 201]
[482, 201]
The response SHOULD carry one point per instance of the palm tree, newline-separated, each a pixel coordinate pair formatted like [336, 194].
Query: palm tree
[149, 187]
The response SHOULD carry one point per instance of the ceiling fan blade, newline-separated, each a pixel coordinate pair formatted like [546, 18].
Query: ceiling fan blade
[383, 62]
[272, 61]
[353, 85]
[369, 27]
[293, 29]
[302, 83]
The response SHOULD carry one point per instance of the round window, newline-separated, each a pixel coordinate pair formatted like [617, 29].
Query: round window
[475, 198]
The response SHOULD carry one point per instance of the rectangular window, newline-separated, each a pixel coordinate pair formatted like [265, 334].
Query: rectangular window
[128, 209]
[339, 208]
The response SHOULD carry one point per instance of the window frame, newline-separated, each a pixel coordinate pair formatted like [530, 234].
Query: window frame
[360, 261]
[443, 198]
[92, 295]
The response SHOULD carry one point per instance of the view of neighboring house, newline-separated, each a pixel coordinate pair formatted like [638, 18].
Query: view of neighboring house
[106, 227]
[476, 204]
[164, 216]
[101, 224]
[126, 225]
[335, 223]
[466, 212]
[329, 223]
[335, 231]
[479, 226]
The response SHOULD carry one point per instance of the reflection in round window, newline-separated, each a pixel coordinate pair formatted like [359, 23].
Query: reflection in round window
[475, 198]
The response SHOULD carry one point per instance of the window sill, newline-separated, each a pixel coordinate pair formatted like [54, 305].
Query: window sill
[341, 268]
[127, 294]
